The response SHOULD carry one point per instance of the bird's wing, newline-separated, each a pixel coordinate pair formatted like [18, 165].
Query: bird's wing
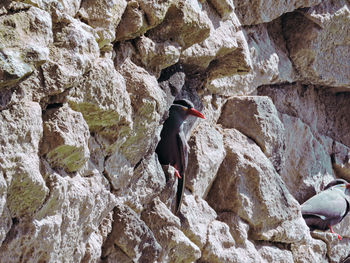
[327, 204]
[183, 151]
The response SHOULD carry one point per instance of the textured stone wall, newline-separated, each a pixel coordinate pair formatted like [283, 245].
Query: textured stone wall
[85, 86]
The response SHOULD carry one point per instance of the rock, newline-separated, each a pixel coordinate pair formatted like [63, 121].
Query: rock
[297, 100]
[238, 228]
[205, 156]
[257, 118]
[5, 218]
[105, 104]
[267, 57]
[118, 170]
[104, 16]
[212, 106]
[72, 54]
[133, 22]
[132, 236]
[157, 56]
[59, 8]
[239, 231]
[64, 223]
[304, 174]
[314, 250]
[236, 62]
[245, 185]
[341, 160]
[224, 52]
[21, 131]
[25, 38]
[171, 81]
[93, 248]
[224, 8]
[342, 227]
[220, 246]
[117, 255]
[320, 58]
[336, 250]
[250, 13]
[65, 140]
[196, 216]
[176, 247]
[184, 23]
[140, 16]
[147, 182]
[148, 106]
[274, 254]
[96, 154]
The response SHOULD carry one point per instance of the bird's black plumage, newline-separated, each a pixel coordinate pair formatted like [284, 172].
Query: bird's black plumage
[327, 208]
[172, 148]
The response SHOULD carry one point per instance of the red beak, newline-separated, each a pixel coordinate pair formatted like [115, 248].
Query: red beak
[196, 113]
[347, 186]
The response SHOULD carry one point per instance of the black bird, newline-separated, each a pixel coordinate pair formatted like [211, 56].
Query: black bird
[327, 208]
[172, 148]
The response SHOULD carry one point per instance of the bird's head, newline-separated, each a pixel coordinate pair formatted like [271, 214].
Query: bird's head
[334, 182]
[184, 108]
[345, 188]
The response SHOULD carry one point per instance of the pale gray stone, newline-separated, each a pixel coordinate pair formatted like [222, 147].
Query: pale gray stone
[104, 16]
[251, 12]
[65, 139]
[257, 118]
[318, 43]
[24, 44]
[132, 236]
[254, 188]
[21, 131]
[185, 23]
[206, 154]
[166, 228]
[196, 215]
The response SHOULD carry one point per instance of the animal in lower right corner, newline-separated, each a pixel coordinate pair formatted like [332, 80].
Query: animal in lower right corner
[328, 207]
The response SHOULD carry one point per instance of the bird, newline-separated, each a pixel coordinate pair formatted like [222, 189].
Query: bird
[327, 208]
[172, 148]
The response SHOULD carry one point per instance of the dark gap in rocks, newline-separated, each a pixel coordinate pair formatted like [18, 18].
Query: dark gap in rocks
[172, 80]
[5, 98]
[54, 101]
[104, 173]
[13, 7]
[54, 106]
[11, 234]
[82, 19]
[138, 164]
[15, 220]
[170, 71]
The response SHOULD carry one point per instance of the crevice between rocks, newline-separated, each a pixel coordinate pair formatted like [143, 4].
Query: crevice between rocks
[11, 234]
[283, 30]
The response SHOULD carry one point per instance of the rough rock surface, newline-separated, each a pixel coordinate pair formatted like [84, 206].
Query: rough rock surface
[24, 37]
[85, 87]
[65, 139]
[262, 11]
[318, 37]
[257, 118]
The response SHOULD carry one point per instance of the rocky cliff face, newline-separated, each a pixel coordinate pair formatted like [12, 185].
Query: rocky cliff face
[85, 86]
